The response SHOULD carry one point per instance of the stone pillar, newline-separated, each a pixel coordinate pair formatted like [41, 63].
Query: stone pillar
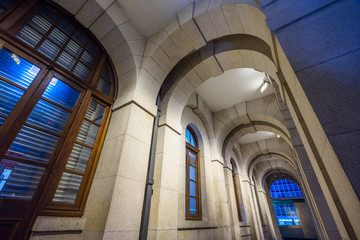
[117, 191]
[257, 217]
[307, 224]
[170, 159]
[249, 208]
[272, 217]
[321, 212]
[221, 201]
[264, 211]
[233, 211]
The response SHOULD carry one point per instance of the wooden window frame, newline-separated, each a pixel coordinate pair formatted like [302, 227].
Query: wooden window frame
[236, 191]
[10, 22]
[195, 150]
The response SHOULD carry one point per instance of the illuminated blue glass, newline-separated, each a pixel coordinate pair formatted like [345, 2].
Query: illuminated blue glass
[49, 116]
[285, 188]
[17, 69]
[192, 142]
[2, 120]
[61, 93]
[20, 179]
[187, 136]
[192, 205]
[286, 212]
[192, 173]
[9, 96]
[192, 188]
[33, 144]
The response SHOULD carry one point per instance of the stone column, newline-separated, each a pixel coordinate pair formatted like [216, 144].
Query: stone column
[117, 191]
[170, 159]
[272, 216]
[264, 211]
[307, 224]
[221, 201]
[249, 207]
[233, 214]
[256, 212]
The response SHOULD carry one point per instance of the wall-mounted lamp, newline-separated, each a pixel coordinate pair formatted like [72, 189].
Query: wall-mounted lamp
[265, 84]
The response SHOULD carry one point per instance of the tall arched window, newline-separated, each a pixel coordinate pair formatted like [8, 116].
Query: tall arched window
[192, 177]
[283, 193]
[56, 89]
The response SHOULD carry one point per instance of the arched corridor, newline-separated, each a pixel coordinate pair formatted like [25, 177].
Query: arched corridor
[174, 120]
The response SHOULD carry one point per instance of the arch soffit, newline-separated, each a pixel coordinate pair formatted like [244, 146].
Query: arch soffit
[260, 123]
[121, 39]
[292, 176]
[261, 156]
[197, 29]
[177, 95]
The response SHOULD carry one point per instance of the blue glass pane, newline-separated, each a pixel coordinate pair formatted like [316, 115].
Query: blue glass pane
[104, 86]
[80, 37]
[285, 188]
[58, 36]
[66, 60]
[49, 116]
[81, 70]
[87, 58]
[192, 142]
[79, 158]
[61, 93]
[192, 206]
[49, 14]
[49, 49]
[92, 48]
[88, 132]
[187, 136]
[9, 96]
[192, 173]
[192, 158]
[106, 73]
[29, 36]
[2, 120]
[17, 69]
[95, 112]
[19, 180]
[66, 26]
[33, 145]
[192, 188]
[73, 48]
[68, 188]
[40, 24]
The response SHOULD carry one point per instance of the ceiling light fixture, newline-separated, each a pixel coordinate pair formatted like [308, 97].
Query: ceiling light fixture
[278, 136]
[265, 84]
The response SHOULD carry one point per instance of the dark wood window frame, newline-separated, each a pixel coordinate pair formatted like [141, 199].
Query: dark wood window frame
[195, 150]
[236, 191]
[11, 21]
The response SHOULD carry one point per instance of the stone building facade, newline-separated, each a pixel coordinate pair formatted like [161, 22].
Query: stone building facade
[308, 51]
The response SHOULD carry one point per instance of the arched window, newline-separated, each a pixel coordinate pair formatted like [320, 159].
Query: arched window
[192, 177]
[56, 89]
[239, 205]
[283, 193]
